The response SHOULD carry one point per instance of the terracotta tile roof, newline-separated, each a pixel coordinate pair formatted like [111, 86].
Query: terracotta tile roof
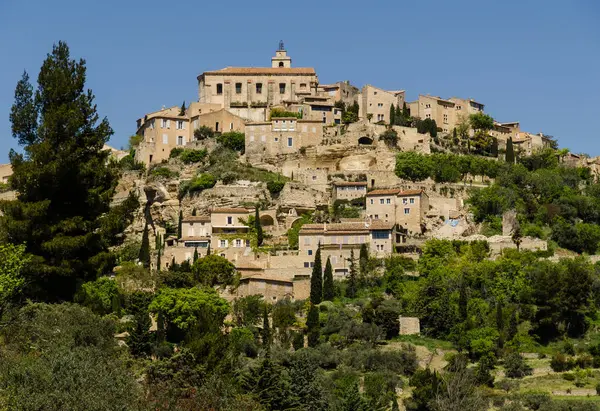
[350, 183]
[267, 278]
[229, 210]
[198, 218]
[384, 192]
[263, 70]
[394, 191]
[347, 227]
[194, 239]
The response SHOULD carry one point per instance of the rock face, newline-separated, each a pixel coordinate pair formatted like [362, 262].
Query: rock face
[509, 222]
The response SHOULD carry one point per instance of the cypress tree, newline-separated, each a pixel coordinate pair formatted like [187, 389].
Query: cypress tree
[182, 109]
[266, 330]
[179, 224]
[158, 262]
[258, 227]
[392, 115]
[510, 151]
[63, 180]
[398, 118]
[140, 337]
[328, 290]
[312, 325]
[363, 260]
[352, 280]
[208, 249]
[195, 255]
[405, 111]
[316, 279]
[144, 255]
[494, 148]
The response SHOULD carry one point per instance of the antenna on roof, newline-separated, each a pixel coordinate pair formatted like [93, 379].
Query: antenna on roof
[281, 48]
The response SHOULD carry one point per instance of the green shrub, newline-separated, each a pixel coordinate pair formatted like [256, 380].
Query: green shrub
[176, 152]
[198, 184]
[233, 140]
[163, 172]
[277, 112]
[203, 132]
[229, 177]
[390, 137]
[189, 156]
[275, 186]
[130, 163]
[516, 367]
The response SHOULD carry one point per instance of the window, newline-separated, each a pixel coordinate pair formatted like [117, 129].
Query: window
[238, 243]
[263, 138]
[388, 201]
[375, 93]
[309, 252]
[379, 104]
[179, 140]
[281, 64]
[251, 138]
[306, 240]
[306, 264]
[195, 124]
[217, 126]
[445, 118]
[312, 264]
[304, 129]
[222, 243]
[180, 125]
[166, 123]
[165, 139]
[314, 177]
[407, 211]
[380, 235]
[302, 86]
[276, 139]
[219, 89]
[376, 216]
[404, 201]
[427, 105]
[314, 129]
[412, 200]
[238, 88]
[281, 88]
[290, 142]
[229, 220]
[152, 125]
[258, 88]
[381, 201]
[371, 201]
[230, 126]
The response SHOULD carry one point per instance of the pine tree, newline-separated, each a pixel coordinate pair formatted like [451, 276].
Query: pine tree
[363, 260]
[195, 255]
[271, 386]
[179, 224]
[328, 288]
[313, 326]
[510, 151]
[140, 337]
[144, 255]
[182, 109]
[258, 227]
[316, 279]
[63, 180]
[352, 280]
[352, 400]
[266, 330]
[392, 115]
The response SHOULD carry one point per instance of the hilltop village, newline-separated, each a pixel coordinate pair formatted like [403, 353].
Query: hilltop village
[317, 168]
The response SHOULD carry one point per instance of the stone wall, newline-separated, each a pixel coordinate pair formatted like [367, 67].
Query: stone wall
[409, 325]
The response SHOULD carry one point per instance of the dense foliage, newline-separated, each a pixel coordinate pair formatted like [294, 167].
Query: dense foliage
[443, 168]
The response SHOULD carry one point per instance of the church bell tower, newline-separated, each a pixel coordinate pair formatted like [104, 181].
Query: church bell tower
[281, 58]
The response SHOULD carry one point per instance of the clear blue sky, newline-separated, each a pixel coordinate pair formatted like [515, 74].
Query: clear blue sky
[537, 62]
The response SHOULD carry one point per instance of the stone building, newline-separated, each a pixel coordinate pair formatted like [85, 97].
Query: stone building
[340, 91]
[406, 209]
[248, 91]
[281, 135]
[348, 190]
[229, 232]
[337, 240]
[5, 173]
[376, 101]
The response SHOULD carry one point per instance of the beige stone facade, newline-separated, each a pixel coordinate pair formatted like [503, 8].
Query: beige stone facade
[283, 135]
[338, 240]
[5, 173]
[406, 209]
[345, 190]
[340, 91]
[376, 101]
[274, 289]
[528, 143]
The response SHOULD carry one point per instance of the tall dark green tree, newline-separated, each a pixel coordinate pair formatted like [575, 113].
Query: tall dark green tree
[392, 115]
[63, 179]
[140, 338]
[313, 326]
[398, 118]
[510, 151]
[363, 259]
[195, 255]
[352, 278]
[405, 111]
[179, 224]
[182, 109]
[328, 289]
[266, 329]
[258, 227]
[144, 256]
[316, 279]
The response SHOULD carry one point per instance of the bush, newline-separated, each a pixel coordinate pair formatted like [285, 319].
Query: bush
[189, 156]
[101, 296]
[163, 172]
[229, 177]
[277, 112]
[516, 367]
[275, 186]
[203, 132]
[390, 137]
[198, 184]
[560, 363]
[176, 152]
[233, 140]
[130, 163]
